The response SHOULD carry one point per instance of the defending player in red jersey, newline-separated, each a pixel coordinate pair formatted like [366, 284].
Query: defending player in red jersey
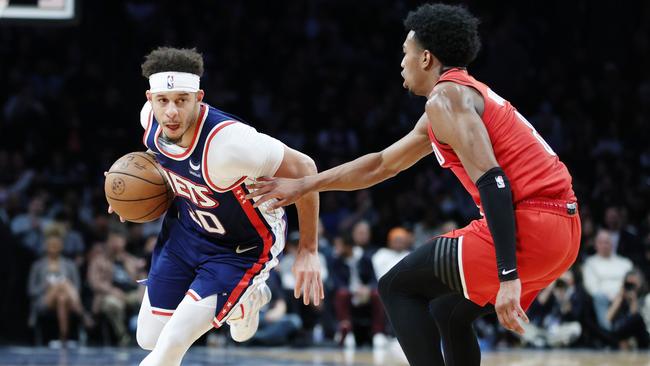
[530, 230]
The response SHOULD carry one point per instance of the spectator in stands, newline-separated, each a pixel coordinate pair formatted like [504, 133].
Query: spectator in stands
[624, 313]
[277, 326]
[362, 238]
[625, 240]
[398, 246]
[603, 274]
[355, 284]
[557, 314]
[309, 315]
[73, 243]
[54, 286]
[30, 225]
[112, 275]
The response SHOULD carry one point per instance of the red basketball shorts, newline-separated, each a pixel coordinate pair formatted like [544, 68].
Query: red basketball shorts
[548, 240]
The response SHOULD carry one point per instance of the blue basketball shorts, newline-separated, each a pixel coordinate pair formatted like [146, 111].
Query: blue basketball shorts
[186, 264]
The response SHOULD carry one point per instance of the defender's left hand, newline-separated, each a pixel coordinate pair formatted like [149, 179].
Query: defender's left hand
[508, 306]
[306, 268]
[285, 190]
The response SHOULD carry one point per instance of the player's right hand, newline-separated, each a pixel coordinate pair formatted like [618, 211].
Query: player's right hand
[110, 209]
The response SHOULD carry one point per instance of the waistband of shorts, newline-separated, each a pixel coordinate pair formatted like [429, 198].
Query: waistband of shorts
[559, 206]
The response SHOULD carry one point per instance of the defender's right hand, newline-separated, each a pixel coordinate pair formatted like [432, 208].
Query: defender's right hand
[508, 306]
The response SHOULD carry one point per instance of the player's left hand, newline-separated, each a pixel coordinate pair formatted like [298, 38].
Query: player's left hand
[508, 306]
[306, 269]
[110, 209]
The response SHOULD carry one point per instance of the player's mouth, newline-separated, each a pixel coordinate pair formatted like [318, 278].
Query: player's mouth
[173, 126]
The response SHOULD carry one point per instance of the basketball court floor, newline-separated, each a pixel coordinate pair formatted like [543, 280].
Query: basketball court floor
[199, 356]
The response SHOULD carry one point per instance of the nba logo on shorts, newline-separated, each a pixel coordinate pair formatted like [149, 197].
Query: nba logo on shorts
[170, 81]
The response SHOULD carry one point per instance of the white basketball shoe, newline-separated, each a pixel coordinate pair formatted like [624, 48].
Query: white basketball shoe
[244, 326]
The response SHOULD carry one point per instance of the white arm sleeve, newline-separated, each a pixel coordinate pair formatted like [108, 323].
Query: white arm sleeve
[239, 150]
[144, 114]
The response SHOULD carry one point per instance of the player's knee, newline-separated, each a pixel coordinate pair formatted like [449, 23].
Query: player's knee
[62, 300]
[146, 339]
[176, 344]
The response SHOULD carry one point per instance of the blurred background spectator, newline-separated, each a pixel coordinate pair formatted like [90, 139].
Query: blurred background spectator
[603, 274]
[397, 247]
[54, 287]
[628, 325]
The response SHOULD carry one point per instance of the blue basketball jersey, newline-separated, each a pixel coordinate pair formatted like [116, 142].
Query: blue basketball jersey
[218, 215]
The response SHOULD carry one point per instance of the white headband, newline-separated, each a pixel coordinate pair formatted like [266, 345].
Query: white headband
[174, 81]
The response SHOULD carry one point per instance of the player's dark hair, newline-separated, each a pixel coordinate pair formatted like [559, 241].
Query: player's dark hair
[173, 59]
[450, 32]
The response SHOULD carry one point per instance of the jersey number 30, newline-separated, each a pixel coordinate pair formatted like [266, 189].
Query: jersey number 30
[500, 101]
[208, 221]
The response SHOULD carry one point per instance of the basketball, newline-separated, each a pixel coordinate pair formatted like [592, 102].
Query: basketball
[137, 189]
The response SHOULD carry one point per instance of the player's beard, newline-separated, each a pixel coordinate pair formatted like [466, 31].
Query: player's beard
[177, 140]
[171, 141]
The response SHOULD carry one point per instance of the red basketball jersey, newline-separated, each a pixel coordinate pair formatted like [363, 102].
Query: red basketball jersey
[533, 168]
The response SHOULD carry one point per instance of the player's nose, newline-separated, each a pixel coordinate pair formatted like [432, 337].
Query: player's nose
[171, 112]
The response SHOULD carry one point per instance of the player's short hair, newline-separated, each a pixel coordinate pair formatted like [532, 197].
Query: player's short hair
[164, 59]
[450, 32]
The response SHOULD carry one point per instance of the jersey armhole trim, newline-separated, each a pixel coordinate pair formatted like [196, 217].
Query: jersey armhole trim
[204, 162]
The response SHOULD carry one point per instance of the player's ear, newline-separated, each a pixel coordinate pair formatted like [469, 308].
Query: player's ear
[428, 60]
[148, 95]
[199, 95]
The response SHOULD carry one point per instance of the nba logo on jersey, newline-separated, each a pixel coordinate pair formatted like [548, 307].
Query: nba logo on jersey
[170, 81]
[500, 182]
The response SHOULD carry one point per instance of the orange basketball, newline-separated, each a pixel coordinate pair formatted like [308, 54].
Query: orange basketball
[137, 189]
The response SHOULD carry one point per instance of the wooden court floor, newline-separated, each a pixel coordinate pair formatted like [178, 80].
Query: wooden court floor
[199, 356]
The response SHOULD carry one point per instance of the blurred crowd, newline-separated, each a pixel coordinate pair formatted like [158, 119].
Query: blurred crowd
[323, 77]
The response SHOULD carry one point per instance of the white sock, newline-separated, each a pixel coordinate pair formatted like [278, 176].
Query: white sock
[189, 322]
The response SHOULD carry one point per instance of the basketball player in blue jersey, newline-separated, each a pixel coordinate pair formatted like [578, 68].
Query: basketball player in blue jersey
[215, 249]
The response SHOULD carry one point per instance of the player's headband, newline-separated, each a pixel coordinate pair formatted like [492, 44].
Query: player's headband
[174, 81]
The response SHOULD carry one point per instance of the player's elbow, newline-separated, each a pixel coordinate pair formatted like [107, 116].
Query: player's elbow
[384, 170]
[307, 165]
[296, 165]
